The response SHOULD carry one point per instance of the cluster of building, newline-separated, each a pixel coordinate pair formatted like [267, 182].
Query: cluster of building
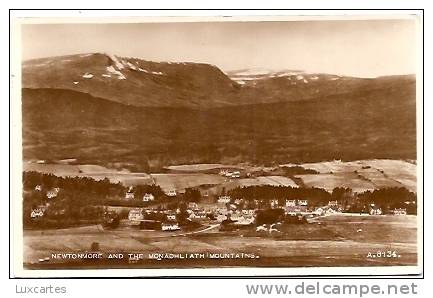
[147, 197]
[230, 174]
[375, 210]
[225, 208]
[302, 206]
[168, 224]
[40, 210]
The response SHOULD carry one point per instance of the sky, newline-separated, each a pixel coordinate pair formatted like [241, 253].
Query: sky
[363, 48]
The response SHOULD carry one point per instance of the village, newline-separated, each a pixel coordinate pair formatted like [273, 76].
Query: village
[187, 210]
[179, 213]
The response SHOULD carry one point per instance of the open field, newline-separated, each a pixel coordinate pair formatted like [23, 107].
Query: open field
[362, 175]
[346, 241]
[201, 167]
[180, 182]
[91, 171]
[359, 175]
[330, 181]
[230, 184]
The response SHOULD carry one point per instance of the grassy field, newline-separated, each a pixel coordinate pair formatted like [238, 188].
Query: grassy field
[330, 181]
[201, 167]
[92, 171]
[337, 240]
[181, 181]
[362, 175]
[230, 184]
[359, 175]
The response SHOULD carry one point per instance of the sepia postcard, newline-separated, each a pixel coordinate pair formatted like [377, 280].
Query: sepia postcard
[217, 146]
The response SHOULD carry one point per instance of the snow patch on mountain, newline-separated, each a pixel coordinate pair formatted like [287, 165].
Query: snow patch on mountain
[286, 74]
[114, 71]
[237, 79]
[87, 75]
[256, 72]
[131, 66]
[116, 61]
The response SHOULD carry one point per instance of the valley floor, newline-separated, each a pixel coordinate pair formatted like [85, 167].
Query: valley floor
[339, 241]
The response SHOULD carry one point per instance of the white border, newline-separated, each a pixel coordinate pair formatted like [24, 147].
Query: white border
[76, 16]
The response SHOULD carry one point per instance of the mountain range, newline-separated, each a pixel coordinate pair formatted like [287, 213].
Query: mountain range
[128, 112]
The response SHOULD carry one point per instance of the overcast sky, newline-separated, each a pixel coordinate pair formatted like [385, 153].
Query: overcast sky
[359, 48]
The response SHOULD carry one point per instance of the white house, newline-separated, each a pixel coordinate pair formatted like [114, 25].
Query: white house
[303, 202]
[224, 199]
[223, 172]
[235, 174]
[399, 211]
[135, 214]
[290, 203]
[375, 211]
[170, 226]
[38, 187]
[228, 174]
[171, 217]
[248, 211]
[197, 214]
[171, 193]
[274, 203]
[129, 194]
[148, 197]
[244, 220]
[223, 211]
[38, 212]
[53, 193]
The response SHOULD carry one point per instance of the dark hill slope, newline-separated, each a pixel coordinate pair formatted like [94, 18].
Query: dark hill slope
[377, 123]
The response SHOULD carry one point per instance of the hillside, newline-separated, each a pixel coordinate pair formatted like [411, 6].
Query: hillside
[132, 81]
[361, 124]
[142, 83]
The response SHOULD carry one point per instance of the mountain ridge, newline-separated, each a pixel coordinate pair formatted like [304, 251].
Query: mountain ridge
[138, 82]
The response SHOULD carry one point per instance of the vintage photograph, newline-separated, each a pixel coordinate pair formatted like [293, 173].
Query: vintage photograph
[183, 143]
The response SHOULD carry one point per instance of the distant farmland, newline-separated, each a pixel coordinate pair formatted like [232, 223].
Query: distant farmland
[91, 171]
[331, 181]
[180, 182]
[361, 175]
